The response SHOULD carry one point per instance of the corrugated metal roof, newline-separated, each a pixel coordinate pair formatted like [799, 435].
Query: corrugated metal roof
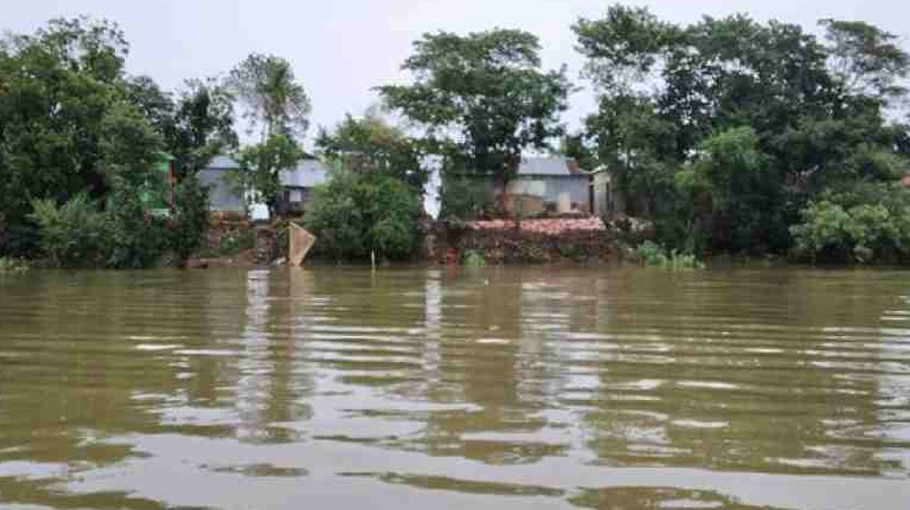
[544, 166]
[222, 162]
[309, 173]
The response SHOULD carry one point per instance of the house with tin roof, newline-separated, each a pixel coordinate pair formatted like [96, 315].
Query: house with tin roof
[226, 195]
[555, 184]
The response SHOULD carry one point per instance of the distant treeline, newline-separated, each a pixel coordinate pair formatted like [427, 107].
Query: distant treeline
[731, 135]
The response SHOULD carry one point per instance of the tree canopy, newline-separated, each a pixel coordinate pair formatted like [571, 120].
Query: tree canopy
[67, 125]
[370, 144]
[482, 98]
[270, 96]
[693, 103]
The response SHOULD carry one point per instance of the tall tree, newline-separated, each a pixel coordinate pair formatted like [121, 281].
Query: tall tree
[865, 60]
[482, 98]
[202, 126]
[272, 100]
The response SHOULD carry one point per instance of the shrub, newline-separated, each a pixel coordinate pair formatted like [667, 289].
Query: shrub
[78, 235]
[190, 219]
[651, 254]
[135, 239]
[473, 258]
[12, 266]
[355, 214]
[862, 225]
[71, 235]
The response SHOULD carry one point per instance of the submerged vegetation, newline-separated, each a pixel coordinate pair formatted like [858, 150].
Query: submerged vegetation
[10, 266]
[473, 258]
[651, 254]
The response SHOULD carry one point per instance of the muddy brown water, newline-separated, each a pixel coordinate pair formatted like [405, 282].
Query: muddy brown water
[427, 388]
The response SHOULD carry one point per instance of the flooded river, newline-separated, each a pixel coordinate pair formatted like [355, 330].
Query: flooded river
[424, 388]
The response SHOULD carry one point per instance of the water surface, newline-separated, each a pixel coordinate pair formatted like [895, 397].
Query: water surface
[426, 388]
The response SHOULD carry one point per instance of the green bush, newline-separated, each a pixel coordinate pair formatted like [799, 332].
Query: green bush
[651, 254]
[354, 214]
[10, 266]
[861, 225]
[71, 235]
[473, 258]
[136, 239]
[189, 222]
[78, 235]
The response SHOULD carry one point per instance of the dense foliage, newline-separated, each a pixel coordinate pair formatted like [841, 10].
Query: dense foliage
[482, 98]
[81, 144]
[370, 144]
[725, 131]
[66, 124]
[356, 213]
[870, 222]
[78, 234]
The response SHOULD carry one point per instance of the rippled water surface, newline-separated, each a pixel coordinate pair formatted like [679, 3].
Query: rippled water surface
[423, 388]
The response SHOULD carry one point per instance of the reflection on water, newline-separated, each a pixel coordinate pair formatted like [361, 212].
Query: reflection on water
[424, 388]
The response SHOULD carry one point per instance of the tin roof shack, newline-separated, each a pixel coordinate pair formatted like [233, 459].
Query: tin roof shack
[298, 184]
[548, 184]
[226, 195]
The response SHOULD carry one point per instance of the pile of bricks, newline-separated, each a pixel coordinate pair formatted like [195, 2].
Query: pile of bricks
[543, 226]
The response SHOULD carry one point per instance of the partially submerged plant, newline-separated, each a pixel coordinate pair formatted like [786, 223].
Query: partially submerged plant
[12, 266]
[473, 258]
[651, 254]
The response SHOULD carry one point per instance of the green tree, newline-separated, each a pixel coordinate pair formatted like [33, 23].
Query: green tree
[482, 97]
[370, 144]
[66, 123]
[270, 96]
[357, 213]
[725, 192]
[578, 147]
[273, 100]
[865, 61]
[676, 100]
[261, 166]
[202, 126]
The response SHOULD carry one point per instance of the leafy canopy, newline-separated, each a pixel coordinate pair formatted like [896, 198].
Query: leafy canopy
[354, 214]
[370, 144]
[482, 98]
[723, 130]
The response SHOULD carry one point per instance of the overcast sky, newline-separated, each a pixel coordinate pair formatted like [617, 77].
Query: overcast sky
[340, 49]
